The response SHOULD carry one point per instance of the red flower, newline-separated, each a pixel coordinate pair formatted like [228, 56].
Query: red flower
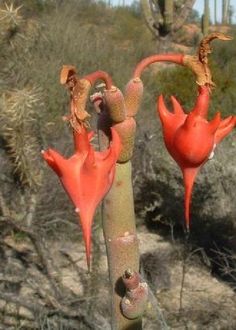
[191, 139]
[86, 176]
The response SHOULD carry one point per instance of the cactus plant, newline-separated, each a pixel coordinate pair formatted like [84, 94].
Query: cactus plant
[21, 132]
[90, 176]
[215, 12]
[225, 10]
[164, 18]
[206, 18]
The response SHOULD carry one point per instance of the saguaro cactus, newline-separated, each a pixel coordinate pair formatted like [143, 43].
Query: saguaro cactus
[206, 18]
[164, 18]
[168, 15]
[215, 12]
[225, 11]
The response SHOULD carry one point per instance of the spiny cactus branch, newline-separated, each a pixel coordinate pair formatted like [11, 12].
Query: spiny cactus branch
[10, 15]
[161, 18]
[150, 20]
[20, 130]
[181, 18]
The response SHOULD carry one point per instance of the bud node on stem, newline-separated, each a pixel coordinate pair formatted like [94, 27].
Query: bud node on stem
[135, 300]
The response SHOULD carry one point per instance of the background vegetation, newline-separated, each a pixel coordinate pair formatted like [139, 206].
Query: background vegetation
[38, 239]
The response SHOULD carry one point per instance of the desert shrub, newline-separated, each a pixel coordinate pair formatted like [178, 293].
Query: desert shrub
[81, 41]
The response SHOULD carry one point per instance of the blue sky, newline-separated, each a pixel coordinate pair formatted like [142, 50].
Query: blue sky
[199, 5]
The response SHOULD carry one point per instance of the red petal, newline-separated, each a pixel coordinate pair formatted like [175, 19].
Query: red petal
[214, 123]
[224, 129]
[54, 160]
[176, 106]
[189, 175]
[164, 113]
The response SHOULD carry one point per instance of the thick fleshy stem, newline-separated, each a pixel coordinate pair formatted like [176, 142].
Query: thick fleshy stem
[121, 242]
[174, 58]
[118, 206]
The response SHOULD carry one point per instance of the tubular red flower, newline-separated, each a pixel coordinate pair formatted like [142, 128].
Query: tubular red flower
[86, 176]
[191, 139]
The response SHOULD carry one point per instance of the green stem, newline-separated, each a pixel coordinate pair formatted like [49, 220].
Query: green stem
[168, 15]
[121, 241]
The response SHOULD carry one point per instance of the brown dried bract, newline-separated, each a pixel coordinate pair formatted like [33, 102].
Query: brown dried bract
[68, 73]
[79, 89]
[199, 63]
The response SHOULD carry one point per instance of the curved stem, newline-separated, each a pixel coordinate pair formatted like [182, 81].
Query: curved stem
[174, 58]
[99, 75]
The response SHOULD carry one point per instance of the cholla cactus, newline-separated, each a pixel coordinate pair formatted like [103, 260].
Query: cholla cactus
[10, 17]
[10, 21]
[20, 130]
[164, 18]
[18, 32]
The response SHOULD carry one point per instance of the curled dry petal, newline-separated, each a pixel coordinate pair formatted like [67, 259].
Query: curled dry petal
[199, 63]
[204, 47]
[67, 72]
[86, 176]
